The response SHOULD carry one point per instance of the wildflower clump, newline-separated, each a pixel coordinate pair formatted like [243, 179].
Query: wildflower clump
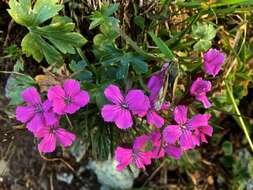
[169, 128]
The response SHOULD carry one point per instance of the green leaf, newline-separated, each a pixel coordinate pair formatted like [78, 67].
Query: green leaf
[162, 46]
[227, 147]
[202, 45]
[15, 85]
[203, 33]
[139, 21]
[80, 69]
[23, 13]
[139, 65]
[33, 44]
[47, 41]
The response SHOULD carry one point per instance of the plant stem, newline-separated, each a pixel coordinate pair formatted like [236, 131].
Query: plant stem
[239, 116]
[67, 117]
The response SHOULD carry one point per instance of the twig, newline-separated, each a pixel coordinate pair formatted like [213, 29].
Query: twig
[154, 173]
[240, 117]
[57, 159]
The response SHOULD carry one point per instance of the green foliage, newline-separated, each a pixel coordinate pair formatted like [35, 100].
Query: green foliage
[80, 70]
[45, 41]
[162, 46]
[203, 33]
[15, 85]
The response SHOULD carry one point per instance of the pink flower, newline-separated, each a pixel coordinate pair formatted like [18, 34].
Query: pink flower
[36, 114]
[68, 99]
[203, 130]
[183, 131]
[136, 155]
[213, 59]
[50, 135]
[199, 89]
[122, 109]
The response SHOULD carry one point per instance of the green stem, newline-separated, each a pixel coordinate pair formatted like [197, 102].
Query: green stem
[239, 116]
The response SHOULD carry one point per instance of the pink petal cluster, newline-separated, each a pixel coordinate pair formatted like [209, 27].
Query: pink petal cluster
[123, 108]
[213, 59]
[42, 118]
[136, 155]
[199, 89]
[69, 98]
[187, 133]
[35, 113]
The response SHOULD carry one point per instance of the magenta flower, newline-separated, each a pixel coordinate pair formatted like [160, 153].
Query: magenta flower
[136, 155]
[203, 130]
[50, 135]
[213, 59]
[122, 109]
[68, 99]
[183, 131]
[36, 114]
[199, 89]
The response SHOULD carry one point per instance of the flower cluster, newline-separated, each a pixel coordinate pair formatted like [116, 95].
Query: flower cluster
[170, 136]
[172, 139]
[43, 118]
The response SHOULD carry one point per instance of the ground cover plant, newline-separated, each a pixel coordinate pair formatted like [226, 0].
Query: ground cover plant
[161, 87]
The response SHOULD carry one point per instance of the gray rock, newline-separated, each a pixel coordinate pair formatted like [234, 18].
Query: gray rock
[109, 177]
[65, 177]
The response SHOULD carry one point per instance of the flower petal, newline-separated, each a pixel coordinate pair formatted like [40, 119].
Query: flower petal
[50, 117]
[142, 159]
[137, 102]
[154, 119]
[213, 59]
[204, 100]
[110, 112]
[123, 156]
[36, 123]
[113, 93]
[124, 119]
[71, 108]
[172, 133]
[140, 142]
[42, 132]
[59, 106]
[180, 114]
[173, 151]
[55, 92]
[186, 140]
[82, 98]
[24, 113]
[198, 121]
[47, 144]
[64, 137]
[31, 96]
[71, 87]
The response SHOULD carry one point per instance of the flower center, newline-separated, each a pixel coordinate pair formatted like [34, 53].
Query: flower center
[67, 99]
[183, 127]
[38, 108]
[124, 105]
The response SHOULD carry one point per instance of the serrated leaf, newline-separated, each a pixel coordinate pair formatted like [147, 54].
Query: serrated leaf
[47, 41]
[61, 36]
[24, 14]
[33, 44]
[162, 46]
